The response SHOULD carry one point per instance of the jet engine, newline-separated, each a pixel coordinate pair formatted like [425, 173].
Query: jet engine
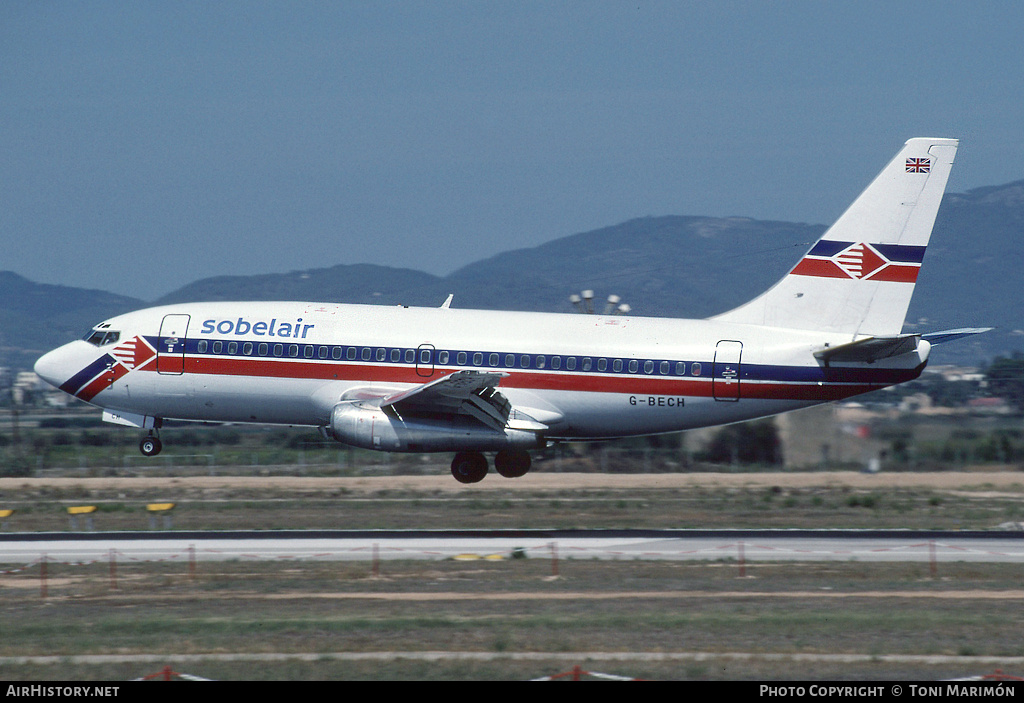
[369, 426]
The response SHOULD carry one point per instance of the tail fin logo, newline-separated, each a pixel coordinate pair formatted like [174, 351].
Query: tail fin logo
[859, 261]
[862, 261]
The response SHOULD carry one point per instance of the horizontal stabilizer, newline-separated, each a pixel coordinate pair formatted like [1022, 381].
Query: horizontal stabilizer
[869, 349]
[872, 349]
[951, 335]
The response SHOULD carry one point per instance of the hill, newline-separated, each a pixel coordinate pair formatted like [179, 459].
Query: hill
[660, 266]
[36, 317]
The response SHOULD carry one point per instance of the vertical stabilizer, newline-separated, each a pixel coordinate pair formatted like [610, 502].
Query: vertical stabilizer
[858, 278]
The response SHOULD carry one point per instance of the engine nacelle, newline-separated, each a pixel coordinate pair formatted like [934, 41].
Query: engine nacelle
[370, 427]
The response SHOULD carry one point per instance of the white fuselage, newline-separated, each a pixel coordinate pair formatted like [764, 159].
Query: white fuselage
[581, 376]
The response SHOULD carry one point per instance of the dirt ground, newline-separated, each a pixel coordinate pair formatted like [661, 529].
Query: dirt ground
[1007, 480]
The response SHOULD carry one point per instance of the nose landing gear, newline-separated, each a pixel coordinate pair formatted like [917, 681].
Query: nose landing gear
[150, 445]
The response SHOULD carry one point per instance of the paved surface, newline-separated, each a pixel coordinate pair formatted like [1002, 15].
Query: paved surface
[766, 545]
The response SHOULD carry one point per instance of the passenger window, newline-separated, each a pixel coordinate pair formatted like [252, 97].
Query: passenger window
[382, 354]
[247, 348]
[540, 361]
[396, 355]
[322, 353]
[648, 366]
[461, 358]
[232, 347]
[366, 353]
[442, 357]
[410, 356]
[556, 362]
[617, 365]
[680, 368]
[293, 350]
[307, 351]
[524, 361]
[201, 347]
[695, 368]
[602, 364]
[634, 365]
[335, 353]
[350, 354]
[217, 346]
[586, 363]
[570, 363]
[478, 359]
[493, 360]
[663, 367]
[278, 350]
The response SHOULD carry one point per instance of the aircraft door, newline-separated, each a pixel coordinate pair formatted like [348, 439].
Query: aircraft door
[425, 360]
[725, 378]
[170, 348]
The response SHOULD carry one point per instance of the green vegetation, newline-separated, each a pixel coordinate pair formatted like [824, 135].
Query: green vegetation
[333, 505]
[1005, 378]
[503, 608]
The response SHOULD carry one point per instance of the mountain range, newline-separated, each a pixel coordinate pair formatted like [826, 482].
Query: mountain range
[660, 266]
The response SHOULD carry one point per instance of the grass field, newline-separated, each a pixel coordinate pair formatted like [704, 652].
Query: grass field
[514, 619]
[501, 611]
[943, 500]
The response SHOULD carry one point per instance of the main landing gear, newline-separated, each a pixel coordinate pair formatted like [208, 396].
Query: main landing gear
[150, 445]
[471, 467]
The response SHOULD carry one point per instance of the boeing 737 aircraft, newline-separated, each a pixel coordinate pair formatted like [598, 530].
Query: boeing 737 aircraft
[441, 379]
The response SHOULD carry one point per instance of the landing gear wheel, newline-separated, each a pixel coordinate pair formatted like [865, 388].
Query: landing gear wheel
[469, 467]
[150, 446]
[512, 463]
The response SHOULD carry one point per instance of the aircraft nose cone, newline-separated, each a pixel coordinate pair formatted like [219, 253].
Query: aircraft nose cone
[53, 366]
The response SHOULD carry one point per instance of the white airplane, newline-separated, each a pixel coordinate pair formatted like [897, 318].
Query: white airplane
[404, 379]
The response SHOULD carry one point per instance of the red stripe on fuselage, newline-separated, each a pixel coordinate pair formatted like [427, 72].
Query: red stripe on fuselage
[528, 380]
[103, 381]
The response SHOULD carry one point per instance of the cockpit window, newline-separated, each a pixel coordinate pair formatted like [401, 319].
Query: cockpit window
[101, 337]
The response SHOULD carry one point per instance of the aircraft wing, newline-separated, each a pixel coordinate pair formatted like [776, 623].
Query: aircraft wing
[470, 393]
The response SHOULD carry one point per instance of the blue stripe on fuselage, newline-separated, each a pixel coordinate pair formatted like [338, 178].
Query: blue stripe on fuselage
[75, 383]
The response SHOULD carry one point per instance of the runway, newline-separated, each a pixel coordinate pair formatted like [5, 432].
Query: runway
[363, 545]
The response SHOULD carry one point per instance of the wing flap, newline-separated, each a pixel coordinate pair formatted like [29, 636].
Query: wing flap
[469, 393]
[449, 391]
[466, 393]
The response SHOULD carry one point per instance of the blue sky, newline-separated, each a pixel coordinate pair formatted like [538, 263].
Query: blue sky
[144, 145]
